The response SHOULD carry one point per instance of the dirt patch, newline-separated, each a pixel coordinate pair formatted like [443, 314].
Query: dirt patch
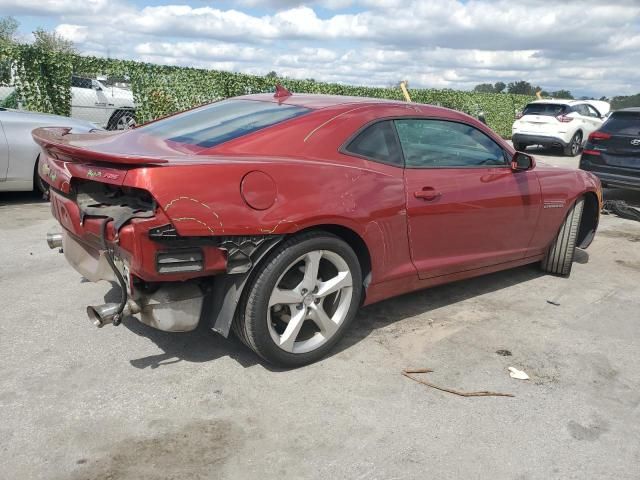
[590, 433]
[630, 236]
[198, 450]
[631, 265]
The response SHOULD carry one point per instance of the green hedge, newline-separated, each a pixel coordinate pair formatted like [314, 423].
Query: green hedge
[42, 81]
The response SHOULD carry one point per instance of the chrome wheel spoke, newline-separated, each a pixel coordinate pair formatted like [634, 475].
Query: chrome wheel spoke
[303, 318]
[340, 281]
[311, 267]
[325, 323]
[288, 337]
[284, 297]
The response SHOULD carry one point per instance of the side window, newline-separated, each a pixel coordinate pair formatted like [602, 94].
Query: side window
[377, 142]
[582, 110]
[592, 111]
[80, 82]
[440, 143]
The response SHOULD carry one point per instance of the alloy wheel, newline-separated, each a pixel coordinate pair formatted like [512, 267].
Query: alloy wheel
[310, 301]
[575, 144]
[125, 122]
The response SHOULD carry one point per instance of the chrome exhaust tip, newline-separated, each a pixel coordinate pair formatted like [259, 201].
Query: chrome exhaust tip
[101, 315]
[54, 240]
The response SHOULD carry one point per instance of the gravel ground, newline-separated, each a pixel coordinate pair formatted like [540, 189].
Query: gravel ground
[134, 403]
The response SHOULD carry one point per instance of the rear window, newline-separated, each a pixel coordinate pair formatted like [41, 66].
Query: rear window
[626, 123]
[222, 121]
[550, 109]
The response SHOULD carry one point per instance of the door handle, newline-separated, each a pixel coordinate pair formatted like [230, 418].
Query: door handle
[427, 193]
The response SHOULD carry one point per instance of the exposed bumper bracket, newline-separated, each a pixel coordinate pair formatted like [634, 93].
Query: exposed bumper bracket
[222, 299]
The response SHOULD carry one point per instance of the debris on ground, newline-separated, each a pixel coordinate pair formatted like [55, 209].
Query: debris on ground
[504, 353]
[553, 302]
[621, 209]
[517, 374]
[409, 374]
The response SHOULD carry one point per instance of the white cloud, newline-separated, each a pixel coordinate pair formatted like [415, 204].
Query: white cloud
[75, 33]
[587, 46]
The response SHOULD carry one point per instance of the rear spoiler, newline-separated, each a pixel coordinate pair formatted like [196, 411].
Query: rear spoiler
[60, 140]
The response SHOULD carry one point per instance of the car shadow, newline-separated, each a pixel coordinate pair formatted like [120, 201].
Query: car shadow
[203, 345]
[545, 151]
[199, 345]
[20, 198]
[385, 313]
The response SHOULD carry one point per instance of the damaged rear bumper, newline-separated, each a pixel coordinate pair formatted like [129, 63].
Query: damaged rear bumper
[168, 306]
[171, 282]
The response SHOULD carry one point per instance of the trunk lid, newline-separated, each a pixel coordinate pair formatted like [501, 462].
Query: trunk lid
[539, 117]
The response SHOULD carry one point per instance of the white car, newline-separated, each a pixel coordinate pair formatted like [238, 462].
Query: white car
[558, 123]
[108, 107]
[19, 153]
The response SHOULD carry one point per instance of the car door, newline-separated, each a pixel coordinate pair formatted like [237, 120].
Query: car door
[466, 207]
[587, 122]
[595, 119]
[4, 154]
[88, 102]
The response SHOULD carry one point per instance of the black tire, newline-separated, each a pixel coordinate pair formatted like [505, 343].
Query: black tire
[574, 146]
[559, 258]
[520, 147]
[122, 120]
[250, 324]
[40, 186]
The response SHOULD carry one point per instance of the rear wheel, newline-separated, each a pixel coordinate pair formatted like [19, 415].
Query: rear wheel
[559, 258]
[575, 145]
[519, 146]
[301, 300]
[122, 120]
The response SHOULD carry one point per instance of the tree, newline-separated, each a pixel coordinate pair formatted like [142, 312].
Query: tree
[272, 74]
[522, 87]
[499, 87]
[53, 42]
[562, 94]
[483, 88]
[625, 101]
[8, 29]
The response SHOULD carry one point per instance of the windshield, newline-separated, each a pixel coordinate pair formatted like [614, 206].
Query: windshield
[625, 123]
[220, 122]
[550, 109]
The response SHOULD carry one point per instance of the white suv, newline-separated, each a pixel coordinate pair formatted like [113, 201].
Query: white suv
[558, 123]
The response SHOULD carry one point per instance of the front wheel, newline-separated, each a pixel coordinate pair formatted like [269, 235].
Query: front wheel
[40, 186]
[301, 300]
[559, 258]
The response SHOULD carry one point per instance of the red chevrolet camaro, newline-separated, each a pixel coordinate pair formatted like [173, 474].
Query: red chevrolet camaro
[277, 216]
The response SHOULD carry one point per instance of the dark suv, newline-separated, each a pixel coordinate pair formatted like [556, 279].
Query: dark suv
[613, 152]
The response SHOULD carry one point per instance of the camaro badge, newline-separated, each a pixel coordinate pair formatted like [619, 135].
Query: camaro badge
[635, 142]
[554, 203]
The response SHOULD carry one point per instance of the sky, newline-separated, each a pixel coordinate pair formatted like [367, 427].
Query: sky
[590, 47]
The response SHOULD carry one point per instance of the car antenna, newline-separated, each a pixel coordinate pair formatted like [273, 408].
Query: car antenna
[281, 92]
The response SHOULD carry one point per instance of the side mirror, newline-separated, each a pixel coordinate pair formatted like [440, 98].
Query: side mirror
[521, 161]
